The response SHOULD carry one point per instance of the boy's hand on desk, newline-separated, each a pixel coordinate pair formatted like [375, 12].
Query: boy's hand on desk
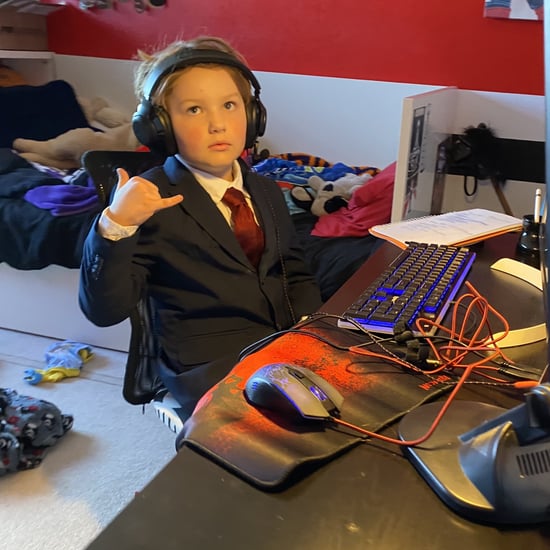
[136, 200]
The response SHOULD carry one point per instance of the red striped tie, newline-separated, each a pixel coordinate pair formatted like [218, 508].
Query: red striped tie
[248, 232]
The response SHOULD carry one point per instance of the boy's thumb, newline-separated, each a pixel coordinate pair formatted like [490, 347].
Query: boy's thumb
[123, 177]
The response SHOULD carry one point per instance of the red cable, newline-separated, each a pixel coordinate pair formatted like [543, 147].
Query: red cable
[451, 358]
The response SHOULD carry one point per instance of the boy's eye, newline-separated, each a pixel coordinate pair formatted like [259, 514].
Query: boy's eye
[194, 110]
[229, 105]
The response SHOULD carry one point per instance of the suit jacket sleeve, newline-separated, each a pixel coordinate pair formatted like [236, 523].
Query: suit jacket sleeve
[111, 278]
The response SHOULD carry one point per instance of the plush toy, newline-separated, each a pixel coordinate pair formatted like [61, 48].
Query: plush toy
[322, 197]
[97, 110]
[64, 151]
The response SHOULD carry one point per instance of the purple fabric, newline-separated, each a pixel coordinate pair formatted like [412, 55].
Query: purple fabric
[63, 200]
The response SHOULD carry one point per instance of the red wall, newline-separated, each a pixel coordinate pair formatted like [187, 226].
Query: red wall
[437, 42]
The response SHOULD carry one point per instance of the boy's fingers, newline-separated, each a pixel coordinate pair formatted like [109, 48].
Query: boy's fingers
[171, 201]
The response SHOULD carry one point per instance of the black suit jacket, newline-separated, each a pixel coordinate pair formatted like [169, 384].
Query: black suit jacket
[210, 301]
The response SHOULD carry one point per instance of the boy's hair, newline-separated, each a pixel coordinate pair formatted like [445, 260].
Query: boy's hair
[155, 80]
[149, 62]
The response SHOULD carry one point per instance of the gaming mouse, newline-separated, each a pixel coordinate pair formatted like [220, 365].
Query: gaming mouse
[290, 389]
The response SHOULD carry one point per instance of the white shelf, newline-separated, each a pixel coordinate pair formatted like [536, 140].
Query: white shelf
[37, 67]
[26, 54]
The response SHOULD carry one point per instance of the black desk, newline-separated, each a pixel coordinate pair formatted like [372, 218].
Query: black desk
[369, 497]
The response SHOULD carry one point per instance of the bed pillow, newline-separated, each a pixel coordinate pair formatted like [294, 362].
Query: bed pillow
[39, 112]
[369, 205]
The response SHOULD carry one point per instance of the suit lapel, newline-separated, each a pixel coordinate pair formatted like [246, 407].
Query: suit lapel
[198, 204]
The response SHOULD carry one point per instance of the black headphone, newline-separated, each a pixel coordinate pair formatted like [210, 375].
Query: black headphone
[151, 123]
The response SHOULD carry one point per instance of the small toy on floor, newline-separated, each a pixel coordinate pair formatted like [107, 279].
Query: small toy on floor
[63, 360]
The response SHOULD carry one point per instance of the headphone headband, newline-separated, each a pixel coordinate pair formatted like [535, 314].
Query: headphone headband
[192, 56]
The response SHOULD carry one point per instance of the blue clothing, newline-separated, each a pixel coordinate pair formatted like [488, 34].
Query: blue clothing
[533, 4]
[298, 174]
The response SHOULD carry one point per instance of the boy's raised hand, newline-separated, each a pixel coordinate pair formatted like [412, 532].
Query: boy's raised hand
[136, 200]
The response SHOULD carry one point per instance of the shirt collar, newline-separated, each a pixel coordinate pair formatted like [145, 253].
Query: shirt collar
[214, 186]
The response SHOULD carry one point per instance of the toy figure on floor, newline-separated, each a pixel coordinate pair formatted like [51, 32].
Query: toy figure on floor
[207, 241]
[63, 360]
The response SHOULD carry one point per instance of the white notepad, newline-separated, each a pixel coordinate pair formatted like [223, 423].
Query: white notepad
[452, 228]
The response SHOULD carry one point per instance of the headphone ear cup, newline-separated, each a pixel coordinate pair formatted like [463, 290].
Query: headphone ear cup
[152, 127]
[142, 123]
[165, 132]
[256, 117]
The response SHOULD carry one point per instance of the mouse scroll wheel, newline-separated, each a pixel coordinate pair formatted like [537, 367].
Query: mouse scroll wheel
[297, 374]
[317, 392]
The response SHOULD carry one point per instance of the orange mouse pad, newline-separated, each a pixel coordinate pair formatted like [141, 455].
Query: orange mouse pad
[265, 447]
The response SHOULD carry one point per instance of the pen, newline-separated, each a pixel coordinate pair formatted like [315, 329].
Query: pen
[538, 200]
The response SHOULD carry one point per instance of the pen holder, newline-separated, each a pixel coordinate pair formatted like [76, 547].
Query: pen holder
[528, 248]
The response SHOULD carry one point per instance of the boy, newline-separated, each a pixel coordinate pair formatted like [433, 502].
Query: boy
[171, 234]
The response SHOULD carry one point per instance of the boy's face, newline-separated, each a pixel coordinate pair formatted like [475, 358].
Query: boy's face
[208, 117]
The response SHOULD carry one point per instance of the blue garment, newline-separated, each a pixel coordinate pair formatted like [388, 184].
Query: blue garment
[298, 174]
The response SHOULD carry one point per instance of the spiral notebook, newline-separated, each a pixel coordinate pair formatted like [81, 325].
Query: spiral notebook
[452, 228]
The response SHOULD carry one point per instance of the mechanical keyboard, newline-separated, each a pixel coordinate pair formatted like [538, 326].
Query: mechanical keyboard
[420, 283]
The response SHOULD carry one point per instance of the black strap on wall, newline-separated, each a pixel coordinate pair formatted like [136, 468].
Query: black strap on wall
[520, 160]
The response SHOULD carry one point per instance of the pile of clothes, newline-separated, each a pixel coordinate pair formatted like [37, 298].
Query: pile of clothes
[28, 427]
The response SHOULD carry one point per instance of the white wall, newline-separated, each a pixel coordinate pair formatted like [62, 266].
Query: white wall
[344, 120]
[92, 77]
[45, 302]
[513, 116]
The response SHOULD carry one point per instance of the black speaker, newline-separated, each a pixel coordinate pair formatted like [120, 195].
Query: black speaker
[151, 123]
